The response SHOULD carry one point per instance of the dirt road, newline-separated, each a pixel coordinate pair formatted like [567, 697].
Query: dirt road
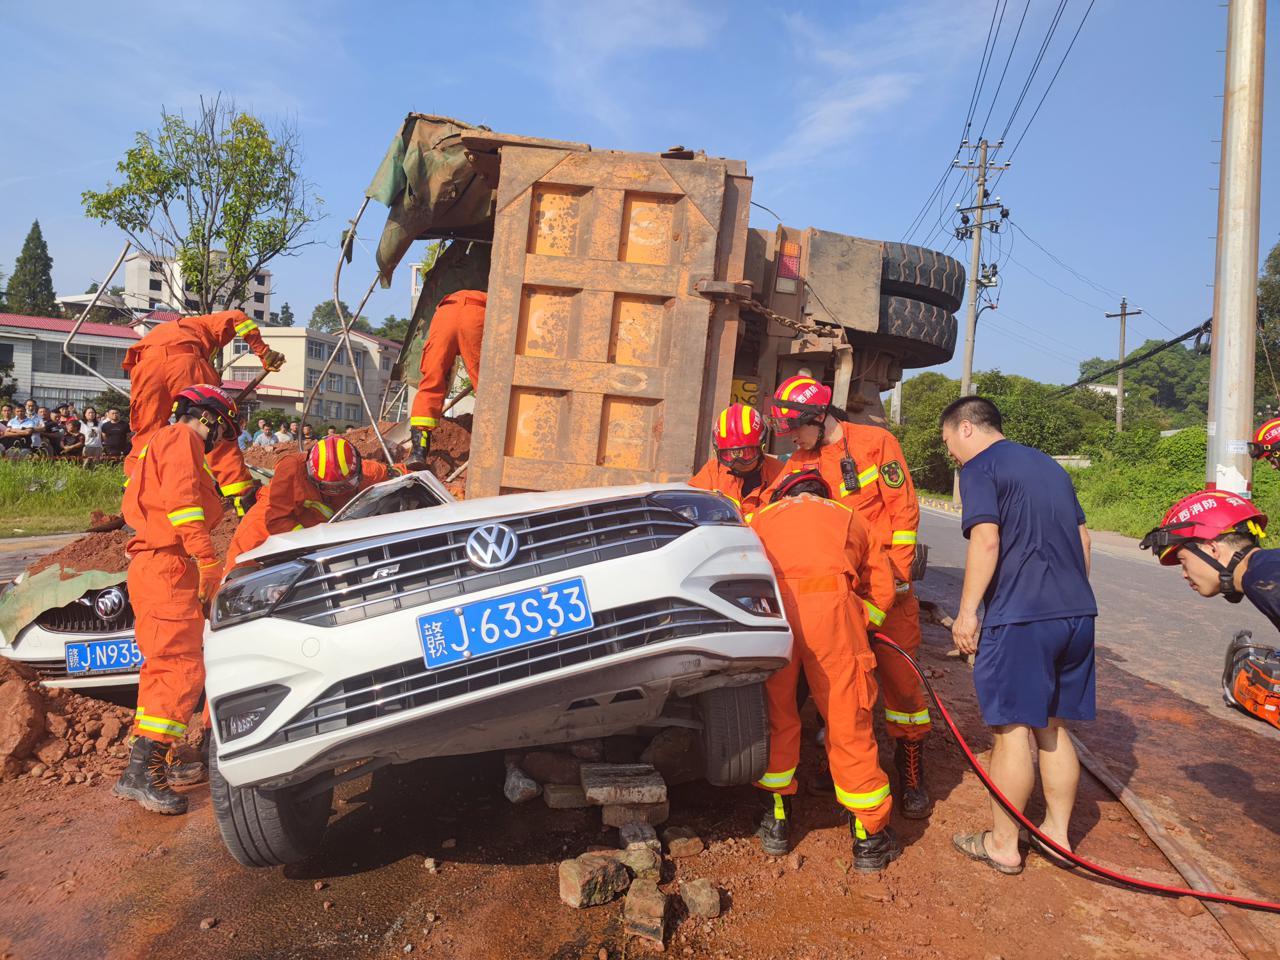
[82, 874]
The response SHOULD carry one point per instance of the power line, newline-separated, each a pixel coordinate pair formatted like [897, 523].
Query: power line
[1031, 344]
[1035, 66]
[988, 49]
[1040, 333]
[1000, 83]
[1048, 283]
[1196, 332]
[1035, 113]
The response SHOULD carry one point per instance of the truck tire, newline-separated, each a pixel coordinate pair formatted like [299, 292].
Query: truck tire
[735, 734]
[267, 828]
[922, 334]
[921, 274]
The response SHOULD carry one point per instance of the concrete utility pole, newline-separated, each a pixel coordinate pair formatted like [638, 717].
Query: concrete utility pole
[1124, 313]
[974, 231]
[896, 416]
[1235, 288]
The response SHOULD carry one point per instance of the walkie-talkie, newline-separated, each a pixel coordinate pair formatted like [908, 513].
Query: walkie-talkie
[849, 473]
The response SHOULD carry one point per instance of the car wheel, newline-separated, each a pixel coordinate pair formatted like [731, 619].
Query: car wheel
[735, 734]
[267, 828]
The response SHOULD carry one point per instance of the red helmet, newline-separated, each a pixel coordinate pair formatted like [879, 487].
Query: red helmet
[787, 487]
[739, 433]
[334, 466]
[800, 401]
[1205, 515]
[1266, 442]
[215, 402]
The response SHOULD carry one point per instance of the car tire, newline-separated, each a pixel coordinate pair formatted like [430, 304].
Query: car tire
[919, 273]
[267, 828]
[735, 734]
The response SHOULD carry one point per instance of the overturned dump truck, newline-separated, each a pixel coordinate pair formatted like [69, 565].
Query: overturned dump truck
[629, 299]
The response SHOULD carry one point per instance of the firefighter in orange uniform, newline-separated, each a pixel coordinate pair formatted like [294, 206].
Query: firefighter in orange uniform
[456, 328]
[865, 468]
[174, 355]
[306, 490]
[740, 469]
[172, 502]
[831, 576]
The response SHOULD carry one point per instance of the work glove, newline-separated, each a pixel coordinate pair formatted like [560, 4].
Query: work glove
[272, 360]
[245, 501]
[210, 578]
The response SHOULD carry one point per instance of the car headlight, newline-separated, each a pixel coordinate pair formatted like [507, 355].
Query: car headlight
[252, 595]
[698, 506]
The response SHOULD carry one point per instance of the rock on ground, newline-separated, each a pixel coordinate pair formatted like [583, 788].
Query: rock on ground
[682, 842]
[592, 879]
[644, 913]
[640, 861]
[546, 766]
[642, 834]
[519, 787]
[617, 783]
[701, 898]
[22, 719]
[621, 814]
[564, 796]
[676, 753]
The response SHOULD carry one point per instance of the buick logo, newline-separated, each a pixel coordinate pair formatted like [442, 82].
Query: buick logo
[492, 546]
[110, 603]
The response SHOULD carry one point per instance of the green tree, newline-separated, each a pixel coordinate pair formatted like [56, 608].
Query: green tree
[31, 286]
[394, 328]
[3, 292]
[108, 399]
[282, 319]
[1267, 364]
[324, 318]
[924, 397]
[220, 196]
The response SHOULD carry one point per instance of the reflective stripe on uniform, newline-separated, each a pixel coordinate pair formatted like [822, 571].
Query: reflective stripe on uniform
[297, 527]
[779, 807]
[869, 475]
[862, 801]
[903, 536]
[322, 508]
[776, 781]
[168, 728]
[142, 453]
[423, 423]
[235, 489]
[186, 515]
[874, 613]
[919, 718]
[245, 326]
[859, 830]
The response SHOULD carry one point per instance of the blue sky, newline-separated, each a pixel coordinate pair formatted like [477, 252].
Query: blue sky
[846, 114]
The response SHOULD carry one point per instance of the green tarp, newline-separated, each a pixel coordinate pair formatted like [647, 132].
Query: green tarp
[50, 588]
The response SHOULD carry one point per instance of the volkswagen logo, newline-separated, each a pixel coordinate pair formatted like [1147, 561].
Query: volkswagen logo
[110, 603]
[492, 546]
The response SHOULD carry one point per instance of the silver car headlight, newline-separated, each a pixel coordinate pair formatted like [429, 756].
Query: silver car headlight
[697, 506]
[253, 595]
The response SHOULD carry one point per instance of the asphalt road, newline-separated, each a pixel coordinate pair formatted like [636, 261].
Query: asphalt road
[1149, 620]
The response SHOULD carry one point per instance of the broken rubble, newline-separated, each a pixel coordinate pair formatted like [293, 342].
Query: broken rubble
[619, 783]
[701, 898]
[644, 912]
[592, 879]
[642, 862]
[589, 750]
[639, 834]
[519, 787]
[564, 796]
[676, 753]
[548, 767]
[621, 814]
[22, 720]
[682, 842]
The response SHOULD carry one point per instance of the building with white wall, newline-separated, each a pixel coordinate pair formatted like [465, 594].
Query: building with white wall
[151, 284]
[32, 347]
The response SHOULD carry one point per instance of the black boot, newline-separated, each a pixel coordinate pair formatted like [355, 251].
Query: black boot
[913, 799]
[775, 826]
[419, 447]
[144, 779]
[873, 852]
[180, 773]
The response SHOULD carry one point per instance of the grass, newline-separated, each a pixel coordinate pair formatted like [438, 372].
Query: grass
[39, 497]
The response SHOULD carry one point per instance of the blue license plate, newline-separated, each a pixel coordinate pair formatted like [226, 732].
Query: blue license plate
[102, 656]
[488, 626]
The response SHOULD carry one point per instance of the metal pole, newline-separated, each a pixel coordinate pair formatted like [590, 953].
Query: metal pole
[75, 327]
[896, 416]
[975, 264]
[1235, 293]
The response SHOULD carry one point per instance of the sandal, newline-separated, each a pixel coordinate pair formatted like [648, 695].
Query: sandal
[974, 846]
[1049, 854]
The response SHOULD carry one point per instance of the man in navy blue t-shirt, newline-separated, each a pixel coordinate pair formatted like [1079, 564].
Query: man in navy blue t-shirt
[1028, 565]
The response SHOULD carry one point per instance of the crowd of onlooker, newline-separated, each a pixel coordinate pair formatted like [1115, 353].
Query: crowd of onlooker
[27, 429]
[62, 431]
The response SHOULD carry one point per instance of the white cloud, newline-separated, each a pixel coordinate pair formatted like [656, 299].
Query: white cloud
[591, 44]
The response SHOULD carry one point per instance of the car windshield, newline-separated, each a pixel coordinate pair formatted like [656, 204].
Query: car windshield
[389, 498]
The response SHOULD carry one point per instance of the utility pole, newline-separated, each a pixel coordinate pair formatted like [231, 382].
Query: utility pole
[973, 231]
[896, 416]
[1124, 313]
[1235, 287]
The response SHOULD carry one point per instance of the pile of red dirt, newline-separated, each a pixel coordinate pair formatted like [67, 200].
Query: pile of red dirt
[51, 734]
[105, 551]
[450, 448]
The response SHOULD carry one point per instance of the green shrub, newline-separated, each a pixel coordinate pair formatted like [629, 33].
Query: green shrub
[53, 497]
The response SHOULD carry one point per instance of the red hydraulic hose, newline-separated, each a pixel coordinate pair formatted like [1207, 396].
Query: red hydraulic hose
[1065, 854]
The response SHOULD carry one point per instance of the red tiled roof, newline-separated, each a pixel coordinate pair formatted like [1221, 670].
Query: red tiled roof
[161, 316]
[58, 325]
[265, 389]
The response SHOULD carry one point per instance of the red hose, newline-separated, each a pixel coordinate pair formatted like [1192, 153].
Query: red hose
[1064, 853]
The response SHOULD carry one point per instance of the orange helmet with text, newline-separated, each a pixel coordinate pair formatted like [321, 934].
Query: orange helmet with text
[799, 401]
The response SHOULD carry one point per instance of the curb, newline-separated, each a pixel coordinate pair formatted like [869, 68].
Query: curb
[946, 506]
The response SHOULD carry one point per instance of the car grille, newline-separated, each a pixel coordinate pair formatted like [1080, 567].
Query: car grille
[375, 577]
[57, 670]
[404, 686]
[77, 617]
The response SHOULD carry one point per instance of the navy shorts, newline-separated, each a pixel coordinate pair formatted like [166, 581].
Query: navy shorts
[1028, 672]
